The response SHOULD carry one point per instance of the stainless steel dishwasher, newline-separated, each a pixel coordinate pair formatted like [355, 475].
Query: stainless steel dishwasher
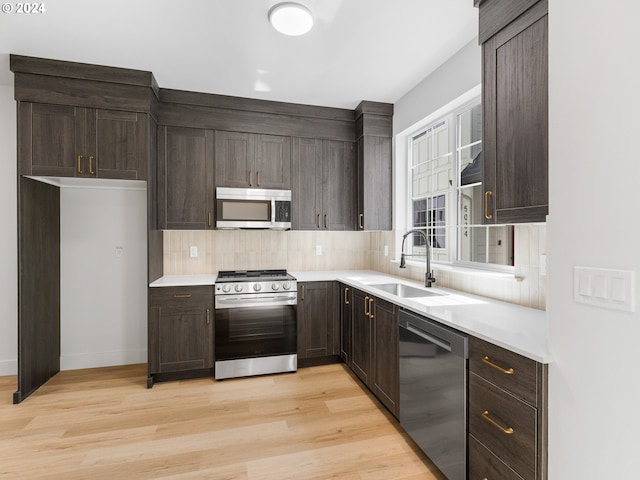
[433, 391]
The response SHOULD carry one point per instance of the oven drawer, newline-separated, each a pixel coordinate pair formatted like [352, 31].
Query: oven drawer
[505, 424]
[504, 368]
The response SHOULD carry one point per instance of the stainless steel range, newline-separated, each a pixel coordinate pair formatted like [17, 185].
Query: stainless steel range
[255, 323]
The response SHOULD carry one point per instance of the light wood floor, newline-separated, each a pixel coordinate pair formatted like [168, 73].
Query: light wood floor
[104, 424]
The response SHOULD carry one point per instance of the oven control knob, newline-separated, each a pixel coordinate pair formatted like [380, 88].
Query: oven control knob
[286, 285]
[238, 287]
[275, 286]
[226, 288]
[257, 287]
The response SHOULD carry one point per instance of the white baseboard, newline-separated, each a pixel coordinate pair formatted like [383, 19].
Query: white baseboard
[102, 359]
[8, 367]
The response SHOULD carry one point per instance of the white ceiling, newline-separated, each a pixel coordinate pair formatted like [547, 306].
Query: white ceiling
[357, 50]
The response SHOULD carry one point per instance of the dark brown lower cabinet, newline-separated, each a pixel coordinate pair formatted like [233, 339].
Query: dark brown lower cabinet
[507, 414]
[346, 298]
[361, 336]
[318, 321]
[385, 356]
[180, 331]
[374, 347]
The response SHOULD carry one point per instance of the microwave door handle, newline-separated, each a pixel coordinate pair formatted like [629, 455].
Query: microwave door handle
[273, 211]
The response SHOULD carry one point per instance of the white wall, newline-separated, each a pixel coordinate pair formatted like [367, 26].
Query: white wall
[8, 235]
[454, 77]
[594, 82]
[103, 276]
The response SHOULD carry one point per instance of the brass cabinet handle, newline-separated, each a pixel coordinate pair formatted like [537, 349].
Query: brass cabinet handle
[508, 431]
[209, 218]
[208, 316]
[325, 220]
[487, 215]
[251, 178]
[346, 295]
[318, 221]
[91, 171]
[302, 296]
[366, 304]
[258, 175]
[507, 371]
[79, 165]
[361, 221]
[182, 295]
[371, 308]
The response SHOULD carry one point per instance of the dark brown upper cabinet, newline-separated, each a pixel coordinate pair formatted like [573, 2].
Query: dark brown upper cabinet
[324, 184]
[248, 160]
[515, 110]
[374, 131]
[71, 141]
[185, 178]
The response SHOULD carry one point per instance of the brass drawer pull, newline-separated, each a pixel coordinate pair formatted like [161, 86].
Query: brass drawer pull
[79, 166]
[258, 175]
[361, 221]
[508, 431]
[208, 316]
[366, 305]
[182, 295]
[91, 170]
[371, 308]
[302, 296]
[346, 296]
[251, 178]
[509, 371]
[318, 221]
[325, 221]
[209, 219]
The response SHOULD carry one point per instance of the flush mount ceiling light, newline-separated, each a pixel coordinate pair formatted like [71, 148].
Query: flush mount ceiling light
[291, 18]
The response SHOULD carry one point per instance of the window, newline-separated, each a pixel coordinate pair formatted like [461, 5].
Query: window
[447, 195]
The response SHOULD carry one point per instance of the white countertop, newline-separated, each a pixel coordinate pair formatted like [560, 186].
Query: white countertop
[519, 329]
[184, 280]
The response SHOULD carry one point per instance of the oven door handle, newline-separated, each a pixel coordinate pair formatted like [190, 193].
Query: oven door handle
[237, 301]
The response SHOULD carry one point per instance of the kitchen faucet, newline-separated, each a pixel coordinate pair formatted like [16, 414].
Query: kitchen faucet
[428, 277]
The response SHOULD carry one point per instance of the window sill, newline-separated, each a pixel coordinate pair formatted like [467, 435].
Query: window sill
[470, 271]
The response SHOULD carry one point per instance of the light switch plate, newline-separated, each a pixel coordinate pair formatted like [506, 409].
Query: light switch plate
[318, 249]
[606, 288]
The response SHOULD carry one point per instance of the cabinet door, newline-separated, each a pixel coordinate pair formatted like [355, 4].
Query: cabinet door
[317, 330]
[117, 144]
[51, 139]
[235, 159]
[361, 336]
[346, 303]
[338, 185]
[185, 178]
[515, 120]
[386, 376]
[180, 329]
[307, 187]
[374, 183]
[272, 167]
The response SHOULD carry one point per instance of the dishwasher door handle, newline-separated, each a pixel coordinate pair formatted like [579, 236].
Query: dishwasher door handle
[429, 337]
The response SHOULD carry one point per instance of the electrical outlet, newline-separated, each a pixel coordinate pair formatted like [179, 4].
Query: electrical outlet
[119, 251]
[193, 251]
[318, 249]
[386, 250]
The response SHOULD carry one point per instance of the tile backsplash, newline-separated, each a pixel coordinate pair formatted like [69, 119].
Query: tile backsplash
[297, 251]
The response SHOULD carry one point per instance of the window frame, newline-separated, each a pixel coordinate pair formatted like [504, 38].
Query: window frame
[452, 239]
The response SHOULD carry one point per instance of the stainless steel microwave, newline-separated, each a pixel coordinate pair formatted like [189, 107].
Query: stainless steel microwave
[253, 208]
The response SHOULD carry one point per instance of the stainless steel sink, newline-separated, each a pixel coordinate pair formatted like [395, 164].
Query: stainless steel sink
[404, 291]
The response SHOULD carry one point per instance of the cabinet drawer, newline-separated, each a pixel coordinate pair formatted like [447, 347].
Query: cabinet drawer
[484, 465]
[176, 296]
[505, 424]
[506, 369]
